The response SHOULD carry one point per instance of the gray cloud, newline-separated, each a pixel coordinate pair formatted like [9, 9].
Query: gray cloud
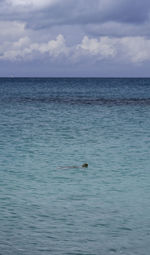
[115, 29]
[75, 31]
[93, 18]
[92, 12]
[59, 12]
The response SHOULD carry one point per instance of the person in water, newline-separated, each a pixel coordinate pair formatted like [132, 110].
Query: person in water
[85, 165]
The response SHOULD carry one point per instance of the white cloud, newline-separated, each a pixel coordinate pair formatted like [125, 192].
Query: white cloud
[18, 42]
[54, 47]
[103, 47]
[132, 49]
[32, 3]
[25, 48]
[136, 48]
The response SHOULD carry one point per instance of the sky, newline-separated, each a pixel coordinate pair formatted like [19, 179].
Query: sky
[75, 38]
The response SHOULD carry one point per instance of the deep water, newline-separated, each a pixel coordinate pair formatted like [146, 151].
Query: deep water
[47, 125]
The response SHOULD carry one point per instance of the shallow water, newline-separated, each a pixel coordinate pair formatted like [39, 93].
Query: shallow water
[48, 124]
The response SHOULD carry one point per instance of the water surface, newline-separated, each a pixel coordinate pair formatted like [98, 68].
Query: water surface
[46, 124]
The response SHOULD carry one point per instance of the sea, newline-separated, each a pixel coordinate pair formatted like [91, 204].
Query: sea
[49, 204]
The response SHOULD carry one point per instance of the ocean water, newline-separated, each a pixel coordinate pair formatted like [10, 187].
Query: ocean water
[49, 125]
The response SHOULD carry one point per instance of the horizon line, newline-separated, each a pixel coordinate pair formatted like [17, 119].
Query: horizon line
[74, 77]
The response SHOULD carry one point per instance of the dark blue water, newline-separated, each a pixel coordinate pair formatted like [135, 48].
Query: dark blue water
[47, 125]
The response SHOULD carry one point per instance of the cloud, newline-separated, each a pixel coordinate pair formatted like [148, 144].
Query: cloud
[114, 29]
[24, 48]
[130, 49]
[81, 12]
[102, 47]
[11, 30]
[54, 47]
[75, 30]
[43, 20]
[32, 3]
[136, 48]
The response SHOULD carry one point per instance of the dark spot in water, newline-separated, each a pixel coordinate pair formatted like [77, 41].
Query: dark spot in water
[81, 101]
[113, 250]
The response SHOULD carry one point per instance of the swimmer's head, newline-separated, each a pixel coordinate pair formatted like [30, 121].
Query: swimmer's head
[85, 165]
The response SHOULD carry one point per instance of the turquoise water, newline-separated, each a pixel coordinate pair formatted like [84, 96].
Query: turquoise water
[47, 125]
